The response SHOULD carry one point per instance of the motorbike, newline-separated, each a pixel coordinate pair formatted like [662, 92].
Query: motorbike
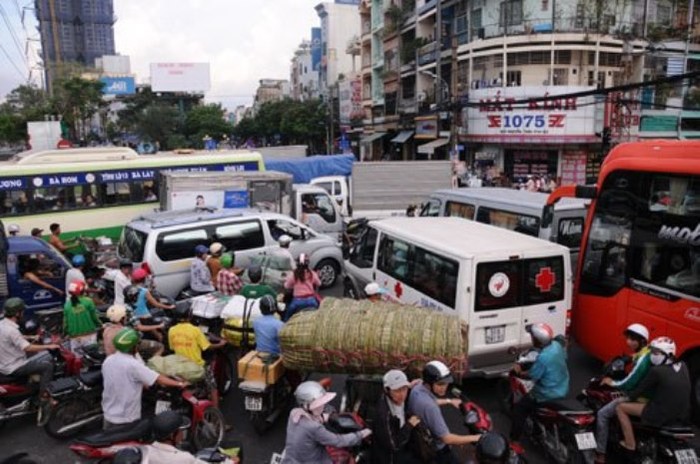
[266, 390]
[221, 366]
[668, 444]
[341, 423]
[563, 428]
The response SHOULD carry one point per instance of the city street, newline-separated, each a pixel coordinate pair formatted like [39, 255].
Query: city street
[23, 435]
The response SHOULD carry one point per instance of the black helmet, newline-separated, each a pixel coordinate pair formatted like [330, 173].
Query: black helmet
[182, 311]
[131, 294]
[268, 305]
[492, 448]
[13, 306]
[255, 274]
[167, 423]
[437, 371]
[128, 456]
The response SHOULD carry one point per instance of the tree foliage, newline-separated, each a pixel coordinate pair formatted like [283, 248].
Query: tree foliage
[206, 120]
[76, 100]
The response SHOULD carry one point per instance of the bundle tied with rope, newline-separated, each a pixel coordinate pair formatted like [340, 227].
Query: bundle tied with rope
[360, 337]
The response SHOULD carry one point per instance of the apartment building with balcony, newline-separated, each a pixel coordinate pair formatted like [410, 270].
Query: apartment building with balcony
[340, 22]
[303, 72]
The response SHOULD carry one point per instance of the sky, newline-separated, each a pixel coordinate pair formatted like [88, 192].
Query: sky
[243, 40]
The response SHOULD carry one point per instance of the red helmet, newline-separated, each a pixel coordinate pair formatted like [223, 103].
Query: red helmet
[76, 287]
[139, 275]
[146, 268]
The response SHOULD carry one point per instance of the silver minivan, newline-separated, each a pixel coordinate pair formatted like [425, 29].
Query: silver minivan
[166, 241]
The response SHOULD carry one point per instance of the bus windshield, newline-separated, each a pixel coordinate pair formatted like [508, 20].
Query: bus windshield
[645, 233]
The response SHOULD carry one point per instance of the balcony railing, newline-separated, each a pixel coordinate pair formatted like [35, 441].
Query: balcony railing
[427, 53]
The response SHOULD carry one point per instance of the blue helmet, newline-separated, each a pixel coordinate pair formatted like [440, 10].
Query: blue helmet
[200, 250]
[78, 260]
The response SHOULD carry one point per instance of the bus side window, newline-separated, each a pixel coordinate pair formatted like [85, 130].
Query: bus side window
[363, 253]
[86, 196]
[463, 210]
[15, 202]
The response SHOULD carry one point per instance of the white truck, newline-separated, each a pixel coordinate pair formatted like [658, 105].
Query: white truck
[386, 188]
[266, 190]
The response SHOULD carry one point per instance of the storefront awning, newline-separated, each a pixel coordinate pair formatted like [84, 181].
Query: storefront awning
[372, 137]
[429, 148]
[402, 137]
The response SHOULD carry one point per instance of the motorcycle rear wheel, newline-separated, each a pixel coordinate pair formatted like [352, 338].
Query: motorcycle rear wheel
[224, 373]
[209, 432]
[66, 413]
[257, 420]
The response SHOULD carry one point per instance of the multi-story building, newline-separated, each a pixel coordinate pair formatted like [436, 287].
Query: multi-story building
[304, 73]
[270, 90]
[77, 31]
[339, 23]
[468, 79]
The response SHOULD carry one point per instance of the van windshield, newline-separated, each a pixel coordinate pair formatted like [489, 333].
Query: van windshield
[132, 244]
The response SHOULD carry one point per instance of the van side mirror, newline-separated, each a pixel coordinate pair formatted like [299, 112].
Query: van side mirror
[547, 216]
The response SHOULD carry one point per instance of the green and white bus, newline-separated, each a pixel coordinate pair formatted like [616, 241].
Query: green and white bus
[95, 191]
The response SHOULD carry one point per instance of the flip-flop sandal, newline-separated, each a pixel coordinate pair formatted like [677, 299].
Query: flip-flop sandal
[625, 447]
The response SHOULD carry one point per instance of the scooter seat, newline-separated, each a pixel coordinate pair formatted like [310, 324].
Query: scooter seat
[141, 431]
[12, 379]
[63, 385]
[567, 404]
[91, 378]
[676, 429]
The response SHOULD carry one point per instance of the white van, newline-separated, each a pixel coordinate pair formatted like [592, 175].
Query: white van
[496, 280]
[516, 210]
[166, 241]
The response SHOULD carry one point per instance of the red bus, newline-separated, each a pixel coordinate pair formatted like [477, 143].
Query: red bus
[640, 253]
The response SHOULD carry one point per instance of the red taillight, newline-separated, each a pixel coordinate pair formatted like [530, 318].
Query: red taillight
[582, 419]
[84, 451]
[567, 331]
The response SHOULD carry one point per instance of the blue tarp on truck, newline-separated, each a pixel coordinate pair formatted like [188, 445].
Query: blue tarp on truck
[305, 169]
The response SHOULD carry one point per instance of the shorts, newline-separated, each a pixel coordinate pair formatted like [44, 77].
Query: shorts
[148, 348]
[77, 343]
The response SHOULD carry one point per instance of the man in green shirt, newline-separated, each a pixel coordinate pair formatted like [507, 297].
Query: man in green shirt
[255, 289]
[80, 321]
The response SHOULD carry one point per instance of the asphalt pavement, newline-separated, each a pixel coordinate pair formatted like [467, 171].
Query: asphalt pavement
[23, 435]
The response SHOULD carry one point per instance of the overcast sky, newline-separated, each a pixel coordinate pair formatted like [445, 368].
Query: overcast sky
[243, 40]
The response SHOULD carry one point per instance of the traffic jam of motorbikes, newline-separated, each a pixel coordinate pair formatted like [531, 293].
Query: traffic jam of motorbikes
[157, 330]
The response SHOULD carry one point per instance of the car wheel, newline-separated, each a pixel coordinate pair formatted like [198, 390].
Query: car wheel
[327, 271]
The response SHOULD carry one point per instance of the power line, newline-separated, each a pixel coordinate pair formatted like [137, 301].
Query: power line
[12, 62]
[11, 30]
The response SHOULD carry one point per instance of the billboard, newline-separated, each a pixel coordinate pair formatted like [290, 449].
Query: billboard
[180, 77]
[316, 50]
[118, 85]
[519, 115]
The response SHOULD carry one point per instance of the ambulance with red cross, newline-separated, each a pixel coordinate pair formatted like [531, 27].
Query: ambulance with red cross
[495, 280]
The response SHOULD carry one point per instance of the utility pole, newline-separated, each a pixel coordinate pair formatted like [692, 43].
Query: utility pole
[454, 108]
[685, 85]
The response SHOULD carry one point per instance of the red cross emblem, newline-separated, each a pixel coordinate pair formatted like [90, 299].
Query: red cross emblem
[398, 290]
[545, 279]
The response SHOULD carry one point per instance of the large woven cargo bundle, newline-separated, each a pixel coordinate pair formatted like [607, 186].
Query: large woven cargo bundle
[361, 337]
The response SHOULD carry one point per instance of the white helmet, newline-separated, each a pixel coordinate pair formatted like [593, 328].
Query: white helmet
[395, 379]
[116, 313]
[311, 395]
[638, 330]
[373, 288]
[284, 240]
[216, 248]
[664, 344]
[541, 332]
[13, 229]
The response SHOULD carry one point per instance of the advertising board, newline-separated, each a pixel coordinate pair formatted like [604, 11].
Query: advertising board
[180, 77]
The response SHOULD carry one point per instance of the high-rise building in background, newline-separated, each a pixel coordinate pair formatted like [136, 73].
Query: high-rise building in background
[339, 23]
[75, 31]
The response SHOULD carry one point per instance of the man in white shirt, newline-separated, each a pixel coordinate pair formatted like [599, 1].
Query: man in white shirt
[122, 280]
[76, 272]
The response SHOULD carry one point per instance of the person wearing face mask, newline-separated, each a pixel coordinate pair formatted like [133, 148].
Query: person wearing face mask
[307, 437]
[391, 427]
[636, 337]
[667, 385]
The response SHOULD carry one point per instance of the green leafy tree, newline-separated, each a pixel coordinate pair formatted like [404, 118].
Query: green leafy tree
[77, 100]
[206, 120]
[13, 129]
[158, 122]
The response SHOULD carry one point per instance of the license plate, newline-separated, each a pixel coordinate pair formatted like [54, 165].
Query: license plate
[204, 328]
[585, 441]
[253, 403]
[162, 406]
[686, 456]
[495, 334]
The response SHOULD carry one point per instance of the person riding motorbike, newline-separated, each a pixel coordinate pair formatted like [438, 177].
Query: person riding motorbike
[124, 378]
[307, 437]
[255, 289]
[549, 374]
[200, 275]
[267, 327]
[667, 385]
[122, 280]
[282, 253]
[227, 281]
[80, 321]
[425, 400]
[492, 448]
[303, 284]
[391, 428]
[216, 250]
[637, 338]
[14, 348]
[117, 315]
[144, 301]
[76, 272]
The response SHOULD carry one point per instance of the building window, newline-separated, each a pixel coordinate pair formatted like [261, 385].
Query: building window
[561, 76]
[511, 13]
[514, 78]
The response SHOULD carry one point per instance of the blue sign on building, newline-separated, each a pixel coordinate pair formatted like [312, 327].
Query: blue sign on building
[316, 51]
[118, 85]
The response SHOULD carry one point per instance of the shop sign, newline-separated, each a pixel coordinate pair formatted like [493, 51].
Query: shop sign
[624, 112]
[517, 114]
[426, 128]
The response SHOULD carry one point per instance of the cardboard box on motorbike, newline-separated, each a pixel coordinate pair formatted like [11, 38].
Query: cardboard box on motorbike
[260, 367]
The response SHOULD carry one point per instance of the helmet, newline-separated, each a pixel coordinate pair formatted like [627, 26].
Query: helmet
[125, 263]
[126, 340]
[395, 379]
[116, 313]
[541, 333]
[13, 229]
[373, 288]
[637, 331]
[200, 250]
[268, 305]
[255, 274]
[128, 456]
[284, 240]
[437, 371]
[76, 287]
[13, 306]
[183, 311]
[226, 260]
[216, 248]
[492, 447]
[131, 294]
[303, 260]
[139, 275]
[167, 423]
[664, 344]
[311, 395]
[78, 260]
